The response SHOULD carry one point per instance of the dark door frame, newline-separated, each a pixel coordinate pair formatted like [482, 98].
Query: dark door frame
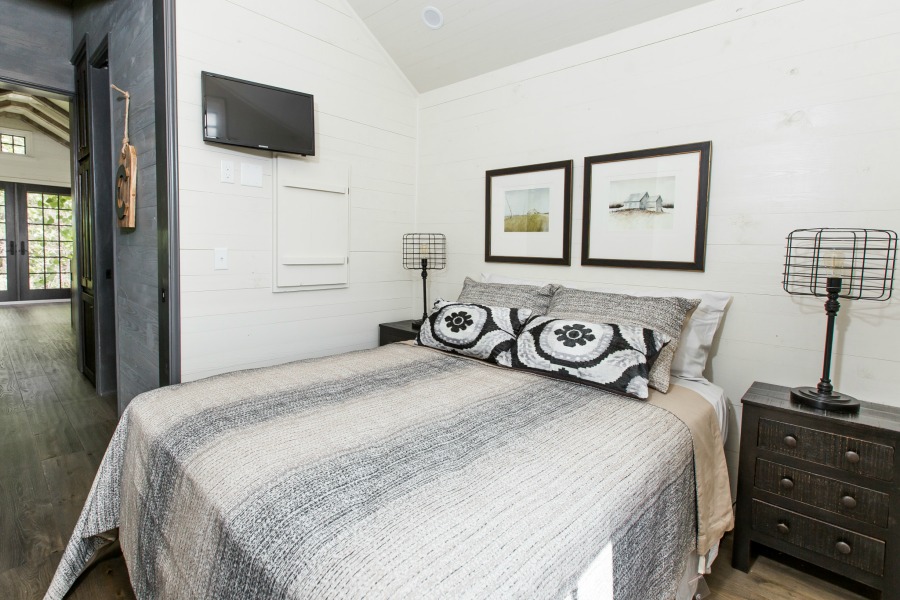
[10, 248]
[104, 247]
[164, 71]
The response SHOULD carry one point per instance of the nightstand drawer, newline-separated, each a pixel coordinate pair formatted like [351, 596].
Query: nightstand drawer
[839, 544]
[862, 504]
[825, 448]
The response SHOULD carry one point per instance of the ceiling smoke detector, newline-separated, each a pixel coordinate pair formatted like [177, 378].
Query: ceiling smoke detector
[432, 17]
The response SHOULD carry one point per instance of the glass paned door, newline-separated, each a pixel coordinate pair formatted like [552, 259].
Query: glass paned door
[51, 240]
[38, 234]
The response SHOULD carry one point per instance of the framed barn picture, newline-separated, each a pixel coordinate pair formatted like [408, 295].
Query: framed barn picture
[528, 214]
[647, 208]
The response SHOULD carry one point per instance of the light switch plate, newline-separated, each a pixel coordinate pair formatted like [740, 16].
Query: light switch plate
[227, 171]
[220, 258]
[251, 174]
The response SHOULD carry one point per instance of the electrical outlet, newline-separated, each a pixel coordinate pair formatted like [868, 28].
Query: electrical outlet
[220, 258]
[227, 171]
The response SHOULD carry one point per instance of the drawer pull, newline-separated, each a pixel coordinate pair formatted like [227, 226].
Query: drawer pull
[783, 528]
[790, 441]
[851, 456]
[787, 484]
[848, 501]
[843, 547]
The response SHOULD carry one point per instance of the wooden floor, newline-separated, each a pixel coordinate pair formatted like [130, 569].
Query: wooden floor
[54, 430]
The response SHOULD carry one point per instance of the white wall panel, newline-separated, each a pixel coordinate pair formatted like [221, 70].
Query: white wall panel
[46, 161]
[365, 118]
[800, 101]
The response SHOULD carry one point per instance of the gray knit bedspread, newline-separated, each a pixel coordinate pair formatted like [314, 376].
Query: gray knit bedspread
[399, 472]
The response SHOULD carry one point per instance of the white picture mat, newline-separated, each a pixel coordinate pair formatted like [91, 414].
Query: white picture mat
[674, 243]
[547, 244]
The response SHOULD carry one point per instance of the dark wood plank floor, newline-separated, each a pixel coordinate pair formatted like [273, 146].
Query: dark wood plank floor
[54, 430]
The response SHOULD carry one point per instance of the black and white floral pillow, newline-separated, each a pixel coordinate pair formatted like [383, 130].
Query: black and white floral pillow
[613, 357]
[485, 332]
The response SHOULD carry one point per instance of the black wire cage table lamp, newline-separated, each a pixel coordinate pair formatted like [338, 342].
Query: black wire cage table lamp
[833, 263]
[426, 251]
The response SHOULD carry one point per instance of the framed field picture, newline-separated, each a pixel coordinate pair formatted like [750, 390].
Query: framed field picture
[647, 208]
[528, 214]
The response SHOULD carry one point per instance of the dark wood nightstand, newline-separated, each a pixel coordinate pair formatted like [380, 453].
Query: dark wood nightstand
[823, 487]
[388, 333]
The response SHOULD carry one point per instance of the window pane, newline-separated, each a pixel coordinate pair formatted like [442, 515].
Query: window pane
[53, 281]
[35, 264]
[35, 232]
[35, 216]
[12, 143]
[65, 202]
[66, 249]
[34, 199]
[36, 281]
[51, 264]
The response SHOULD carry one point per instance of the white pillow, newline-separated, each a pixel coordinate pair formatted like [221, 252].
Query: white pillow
[697, 335]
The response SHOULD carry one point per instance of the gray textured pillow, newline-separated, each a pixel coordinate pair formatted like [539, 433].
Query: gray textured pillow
[532, 297]
[665, 315]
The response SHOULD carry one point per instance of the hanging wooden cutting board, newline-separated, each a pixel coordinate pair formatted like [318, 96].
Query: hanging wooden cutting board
[126, 186]
[126, 174]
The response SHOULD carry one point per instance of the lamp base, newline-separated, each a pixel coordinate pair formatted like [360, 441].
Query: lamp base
[837, 402]
[417, 324]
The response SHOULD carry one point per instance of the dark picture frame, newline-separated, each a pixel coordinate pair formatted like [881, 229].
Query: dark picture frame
[668, 215]
[542, 233]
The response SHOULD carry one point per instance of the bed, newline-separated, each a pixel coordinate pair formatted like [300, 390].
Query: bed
[405, 471]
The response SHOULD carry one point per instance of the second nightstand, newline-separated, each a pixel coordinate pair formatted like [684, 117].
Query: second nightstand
[388, 333]
[823, 487]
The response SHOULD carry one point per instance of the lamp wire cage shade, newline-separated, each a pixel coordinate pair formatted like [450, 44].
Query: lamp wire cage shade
[863, 259]
[430, 246]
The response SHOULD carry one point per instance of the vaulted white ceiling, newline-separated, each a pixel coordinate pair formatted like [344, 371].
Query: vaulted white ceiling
[44, 114]
[479, 36]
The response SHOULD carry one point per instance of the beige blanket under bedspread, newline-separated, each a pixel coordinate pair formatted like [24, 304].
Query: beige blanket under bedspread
[714, 513]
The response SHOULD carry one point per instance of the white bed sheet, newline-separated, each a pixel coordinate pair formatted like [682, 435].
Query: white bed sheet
[712, 394]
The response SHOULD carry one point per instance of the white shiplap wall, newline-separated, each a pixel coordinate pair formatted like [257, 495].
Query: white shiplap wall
[365, 117]
[46, 162]
[801, 100]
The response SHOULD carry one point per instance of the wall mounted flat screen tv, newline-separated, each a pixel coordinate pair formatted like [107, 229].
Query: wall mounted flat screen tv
[252, 115]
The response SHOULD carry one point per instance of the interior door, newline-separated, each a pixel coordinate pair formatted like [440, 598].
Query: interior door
[84, 187]
[38, 238]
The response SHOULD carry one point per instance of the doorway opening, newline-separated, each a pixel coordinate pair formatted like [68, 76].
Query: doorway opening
[37, 229]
